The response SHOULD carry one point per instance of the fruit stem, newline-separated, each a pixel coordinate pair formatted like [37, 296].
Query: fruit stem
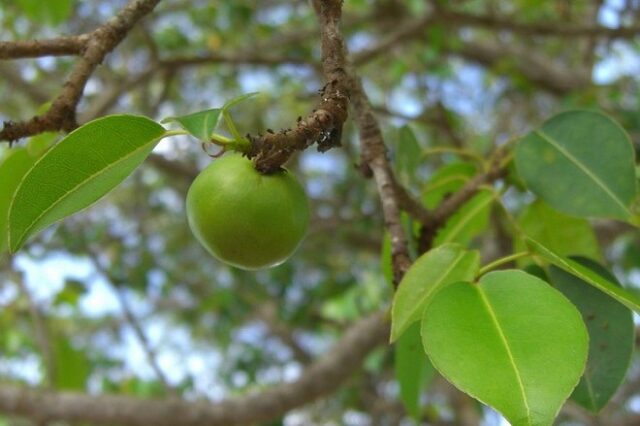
[241, 144]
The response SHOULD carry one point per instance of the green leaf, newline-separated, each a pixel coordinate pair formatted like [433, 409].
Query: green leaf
[71, 366]
[413, 369]
[200, 125]
[469, 221]
[581, 163]
[565, 235]
[385, 258]
[408, 155]
[78, 171]
[611, 335]
[13, 167]
[234, 101]
[38, 144]
[443, 265]
[511, 341]
[445, 181]
[623, 296]
[51, 11]
[71, 293]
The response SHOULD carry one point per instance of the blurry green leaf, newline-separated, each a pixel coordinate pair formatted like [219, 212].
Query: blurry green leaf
[50, 11]
[511, 341]
[385, 258]
[581, 163]
[469, 221]
[200, 125]
[343, 307]
[71, 293]
[234, 101]
[171, 38]
[71, 366]
[565, 235]
[623, 296]
[413, 369]
[13, 167]
[79, 170]
[38, 144]
[611, 335]
[445, 181]
[13, 341]
[433, 270]
[408, 155]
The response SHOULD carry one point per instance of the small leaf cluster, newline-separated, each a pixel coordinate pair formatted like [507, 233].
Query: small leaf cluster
[523, 341]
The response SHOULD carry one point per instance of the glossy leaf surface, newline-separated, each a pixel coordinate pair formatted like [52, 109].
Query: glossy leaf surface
[12, 169]
[443, 265]
[511, 341]
[78, 171]
[469, 221]
[627, 298]
[200, 125]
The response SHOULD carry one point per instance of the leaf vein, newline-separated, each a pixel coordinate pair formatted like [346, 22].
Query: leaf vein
[509, 353]
[70, 191]
[584, 169]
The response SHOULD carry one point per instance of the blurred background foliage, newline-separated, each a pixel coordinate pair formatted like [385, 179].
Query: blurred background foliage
[121, 298]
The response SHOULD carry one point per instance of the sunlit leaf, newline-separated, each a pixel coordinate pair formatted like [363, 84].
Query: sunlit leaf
[79, 170]
[12, 168]
[234, 101]
[200, 125]
[511, 341]
[623, 296]
[443, 265]
[468, 221]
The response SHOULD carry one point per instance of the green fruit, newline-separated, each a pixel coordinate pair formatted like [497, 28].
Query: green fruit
[244, 218]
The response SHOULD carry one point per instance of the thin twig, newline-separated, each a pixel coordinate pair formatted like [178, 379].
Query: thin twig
[323, 377]
[376, 163]
[61, 115]
[60, 46]
[450, 205]
[324, 125]
[267, 312]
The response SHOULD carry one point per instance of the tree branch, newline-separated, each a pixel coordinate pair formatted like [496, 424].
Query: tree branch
[324, 125]
[375, 163]
[60, 46]
[545, 29]
[62, 113]
[450, 205]
[268, 313]
[535, 67]
[322, 378]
